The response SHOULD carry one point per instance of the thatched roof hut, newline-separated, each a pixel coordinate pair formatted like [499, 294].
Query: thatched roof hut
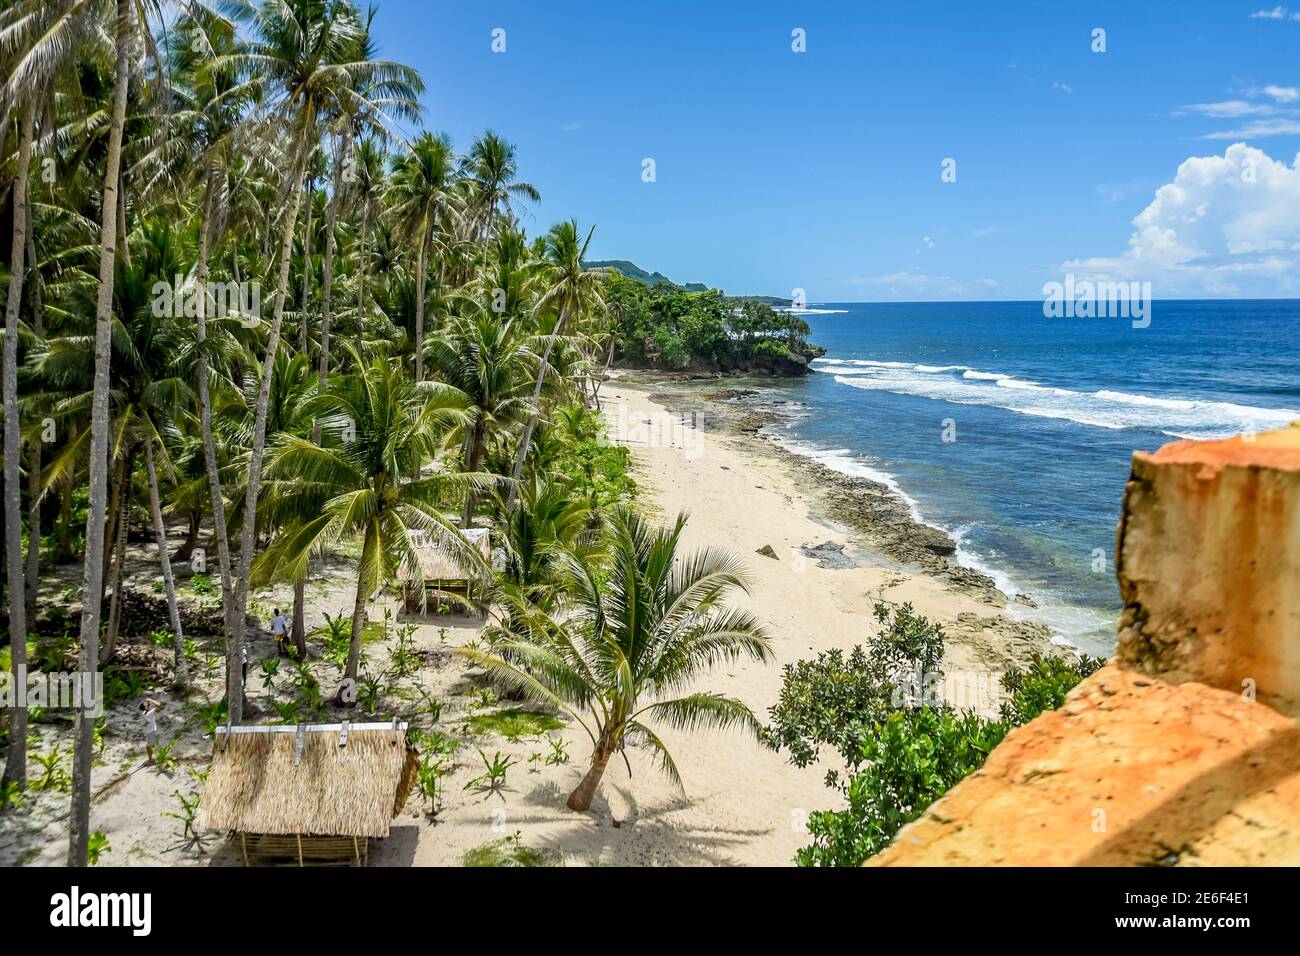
[316, 792]
[441, 570]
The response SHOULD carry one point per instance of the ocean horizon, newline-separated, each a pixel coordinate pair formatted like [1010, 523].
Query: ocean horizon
[1014, 432]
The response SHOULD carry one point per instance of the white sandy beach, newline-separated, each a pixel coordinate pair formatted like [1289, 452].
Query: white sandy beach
[743, 803]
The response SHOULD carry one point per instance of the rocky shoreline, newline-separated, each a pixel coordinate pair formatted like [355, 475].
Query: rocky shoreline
[881, 521]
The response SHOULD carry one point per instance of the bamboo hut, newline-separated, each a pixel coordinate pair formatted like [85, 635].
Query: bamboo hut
[442, 574]
[311, 794]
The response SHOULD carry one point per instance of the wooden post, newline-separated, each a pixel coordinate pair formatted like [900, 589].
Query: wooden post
[243, 845]
[356, 848]
[299, 836]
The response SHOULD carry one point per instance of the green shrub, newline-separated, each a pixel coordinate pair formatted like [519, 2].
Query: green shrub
[901, 752]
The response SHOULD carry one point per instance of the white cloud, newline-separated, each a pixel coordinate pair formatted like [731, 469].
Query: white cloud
[1258, 129]
[1276, 13]
[927, 242]
[1283, 94]
[1228, 108]
[1058, 85]
[1226, 225]
[570, 127]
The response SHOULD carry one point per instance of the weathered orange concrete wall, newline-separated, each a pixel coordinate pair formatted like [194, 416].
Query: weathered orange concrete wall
[1185, 749]
[1208, 562]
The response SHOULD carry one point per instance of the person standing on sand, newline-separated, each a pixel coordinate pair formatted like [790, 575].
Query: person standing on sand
[150, 708]
[277, 628]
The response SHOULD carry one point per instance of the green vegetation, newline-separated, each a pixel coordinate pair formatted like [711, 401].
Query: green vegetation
[671, 328]
[644, 621]
[514, 722]
[901, 746]
[507, 852]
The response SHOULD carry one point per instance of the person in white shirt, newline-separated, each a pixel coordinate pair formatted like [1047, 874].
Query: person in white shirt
[149, 708]
[277, 628]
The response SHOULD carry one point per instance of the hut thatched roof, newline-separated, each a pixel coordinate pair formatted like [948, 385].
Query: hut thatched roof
[439, 564]
[257, 786]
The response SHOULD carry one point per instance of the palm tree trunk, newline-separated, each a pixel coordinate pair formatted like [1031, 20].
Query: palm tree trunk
[358, 618]
[34, 451]
[92, 581]
[419, 303]
[303, 338]
[194, 525]
[234, 649]
[16, 764]
[123, 245]
[118, 564]
[65, 509]
[233, 624]
[299, 622]
[33, 525]
[181, 673]
[327, 280]
[583, 793]
[527, 438]
[473, 462]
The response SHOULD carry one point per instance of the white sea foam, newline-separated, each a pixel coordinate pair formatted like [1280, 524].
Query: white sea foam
[1106, 408]
[1071, 626]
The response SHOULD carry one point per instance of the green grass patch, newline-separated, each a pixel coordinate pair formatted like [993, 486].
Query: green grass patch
[515, 722]
[507, 852]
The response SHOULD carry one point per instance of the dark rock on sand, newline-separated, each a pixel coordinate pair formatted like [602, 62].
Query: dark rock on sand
[768, 552]
[829, 554]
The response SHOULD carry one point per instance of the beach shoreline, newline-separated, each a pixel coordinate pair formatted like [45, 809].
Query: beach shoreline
[862, 528]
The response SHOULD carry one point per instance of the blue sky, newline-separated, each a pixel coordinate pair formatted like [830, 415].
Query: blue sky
[820, 170]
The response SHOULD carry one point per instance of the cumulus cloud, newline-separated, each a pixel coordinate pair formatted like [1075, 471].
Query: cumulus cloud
[1226, 225]
[1283, 94]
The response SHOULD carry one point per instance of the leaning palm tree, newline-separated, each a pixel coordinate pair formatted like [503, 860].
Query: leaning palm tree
[420, 193]
[387, 429]
[571, 291]
[638, 629]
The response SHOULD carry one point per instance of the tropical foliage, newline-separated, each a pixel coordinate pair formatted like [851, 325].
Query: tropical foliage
[901, 744]
[664, 326]
[248, 294]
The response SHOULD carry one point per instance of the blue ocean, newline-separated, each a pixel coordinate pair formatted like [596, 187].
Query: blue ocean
[1014, 432]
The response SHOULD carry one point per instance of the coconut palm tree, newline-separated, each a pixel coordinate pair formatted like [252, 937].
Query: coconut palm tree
[210, 137]
[148, 387]
[126, 30]
[493, 169]
[570, 292]
[420, 193]
[397, 88]
[289, 413]
[489, 361]
[635, 632]
[386, 429]
[308, 52]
